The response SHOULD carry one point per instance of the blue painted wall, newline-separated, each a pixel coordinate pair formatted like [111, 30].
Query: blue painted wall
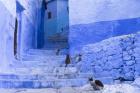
[90, 11]
[40, 32]
[50, 26]
[30, 25]
[63, 15]
[10, 6]
[101, 20]
[27, 28]
[7, 23]
[58, 24]
[84, 34]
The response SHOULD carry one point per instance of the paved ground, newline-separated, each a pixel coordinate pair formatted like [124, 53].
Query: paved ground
[118, 88]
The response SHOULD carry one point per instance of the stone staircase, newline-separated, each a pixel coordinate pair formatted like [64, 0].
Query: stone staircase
[43, 69]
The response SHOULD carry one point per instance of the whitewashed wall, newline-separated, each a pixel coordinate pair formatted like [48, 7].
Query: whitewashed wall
[89, 11]
[95, 20]
[7, 26]
[10, 5]
[29, 26]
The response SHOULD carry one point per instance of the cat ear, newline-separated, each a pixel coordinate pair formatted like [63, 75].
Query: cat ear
[90, 78]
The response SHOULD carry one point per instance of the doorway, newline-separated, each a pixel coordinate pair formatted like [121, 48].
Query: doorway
[15, 38]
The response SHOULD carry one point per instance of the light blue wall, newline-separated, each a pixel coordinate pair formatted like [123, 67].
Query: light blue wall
[63, 15]
[95, 20]
[50, 26]
[27, 29]
[30, 19]
[59, 22]
[7, 23]
[10, 6]
[89, 11]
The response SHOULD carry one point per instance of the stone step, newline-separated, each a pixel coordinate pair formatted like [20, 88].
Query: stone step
[46, 76]
[28, 64]
[57, 83]
[37, 63]
[41, 66]
[41, 52]
[48, 69]
[55, 45]
[47, 52]
[63, 70]
[46, 58]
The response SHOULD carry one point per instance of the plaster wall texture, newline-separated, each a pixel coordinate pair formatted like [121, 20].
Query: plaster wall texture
[89, 11]
[10, 5]
[27, 27]
[31, 17]
[92, 21]
[7, 26]
[114, 57]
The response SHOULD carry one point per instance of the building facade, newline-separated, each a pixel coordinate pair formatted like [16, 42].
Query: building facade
[63, 24]
[93, 21]
[19, 23]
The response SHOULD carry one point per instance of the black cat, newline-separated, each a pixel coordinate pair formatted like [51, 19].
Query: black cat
[67, 61]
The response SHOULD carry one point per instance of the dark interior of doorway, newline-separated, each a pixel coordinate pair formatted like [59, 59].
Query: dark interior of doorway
[15, 37]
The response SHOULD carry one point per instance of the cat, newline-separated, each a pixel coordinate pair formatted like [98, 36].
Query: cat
[67, 61]
[96, 84]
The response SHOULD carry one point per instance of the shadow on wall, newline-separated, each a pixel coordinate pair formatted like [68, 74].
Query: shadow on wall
[84, 34]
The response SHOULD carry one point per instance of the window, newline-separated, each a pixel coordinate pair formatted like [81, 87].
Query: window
[67, 9]
[49, 15]
[45, 6]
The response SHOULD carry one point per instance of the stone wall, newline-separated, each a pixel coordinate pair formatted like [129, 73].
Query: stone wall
[114, 57]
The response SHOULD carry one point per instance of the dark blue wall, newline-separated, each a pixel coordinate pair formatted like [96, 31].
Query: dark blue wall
[40, 33]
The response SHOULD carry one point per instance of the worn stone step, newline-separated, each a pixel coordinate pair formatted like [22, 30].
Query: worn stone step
[57, 83]
[41, 52]
[47, 58]
[26, 77]
[36, 66]
[62, 70]
[43, 70]
[43, 64]
[28, 64]
[47, 52]
[75, 75]
[45, 76]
